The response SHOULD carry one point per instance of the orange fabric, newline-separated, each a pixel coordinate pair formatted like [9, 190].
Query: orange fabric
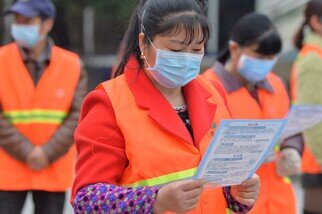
[54, 92]
[293, 83]
[173, 151]
[309, 163]
[276, 196]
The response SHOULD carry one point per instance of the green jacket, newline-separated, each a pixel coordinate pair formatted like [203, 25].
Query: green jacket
[309, 91]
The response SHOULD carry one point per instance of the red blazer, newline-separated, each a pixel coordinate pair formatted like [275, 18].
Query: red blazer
[99, 142]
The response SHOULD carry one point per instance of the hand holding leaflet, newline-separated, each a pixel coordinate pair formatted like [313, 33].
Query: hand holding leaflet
[238, 149]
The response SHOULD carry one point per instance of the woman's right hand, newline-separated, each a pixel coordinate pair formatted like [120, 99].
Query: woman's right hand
[179, 196]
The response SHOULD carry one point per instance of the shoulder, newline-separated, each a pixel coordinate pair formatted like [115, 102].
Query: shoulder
[215, 73]
[279, 87]
[4, 49]
[119, 81]
[66, 54]
[209, 74]
[117, 90]
[309, 58]
[97, 102]
[273, 78]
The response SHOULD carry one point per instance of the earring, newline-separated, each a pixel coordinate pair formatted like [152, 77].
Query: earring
[142, 55]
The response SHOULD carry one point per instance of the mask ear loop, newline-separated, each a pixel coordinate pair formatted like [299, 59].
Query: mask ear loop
[143, 31]
[142, 54]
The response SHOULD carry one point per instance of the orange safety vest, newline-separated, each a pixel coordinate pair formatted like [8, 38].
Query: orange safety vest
[276, 194]
[309, 163]
[37, 112]
[156, 156]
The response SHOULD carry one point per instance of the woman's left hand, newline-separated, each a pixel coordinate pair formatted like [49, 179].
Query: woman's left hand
[247, 193]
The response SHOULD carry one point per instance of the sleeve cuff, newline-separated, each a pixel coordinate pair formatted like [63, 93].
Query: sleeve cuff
[233, 204]
[103, 198]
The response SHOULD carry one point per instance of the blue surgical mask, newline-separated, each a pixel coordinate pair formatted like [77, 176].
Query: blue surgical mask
[26, 36]
[255, 70]
[175, 69]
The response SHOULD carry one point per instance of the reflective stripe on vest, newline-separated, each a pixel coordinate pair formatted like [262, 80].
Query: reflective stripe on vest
[166, 178]
[287, 180]
[228, 211]
[36, 116]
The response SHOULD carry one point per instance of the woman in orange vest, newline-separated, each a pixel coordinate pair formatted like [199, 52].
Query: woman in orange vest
[253, 92]
[305, 87]
[147, 128]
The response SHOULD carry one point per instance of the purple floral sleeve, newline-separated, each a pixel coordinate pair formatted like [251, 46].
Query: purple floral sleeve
[234, 205]
[106, 198]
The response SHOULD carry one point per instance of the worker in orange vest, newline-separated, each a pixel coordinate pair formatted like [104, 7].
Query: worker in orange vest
[146, 129]
[41, 90]
[253, 92]
[306, 80]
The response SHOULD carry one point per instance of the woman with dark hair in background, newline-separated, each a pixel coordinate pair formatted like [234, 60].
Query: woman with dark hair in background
[253, 92]
[143, 131]
[306, 89]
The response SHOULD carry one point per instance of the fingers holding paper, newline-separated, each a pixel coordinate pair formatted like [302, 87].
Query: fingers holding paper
[247, 192]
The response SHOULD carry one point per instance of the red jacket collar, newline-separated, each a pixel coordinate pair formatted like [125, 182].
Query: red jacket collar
[147, 96]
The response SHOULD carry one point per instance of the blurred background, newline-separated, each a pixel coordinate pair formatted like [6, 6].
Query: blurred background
[94, 29]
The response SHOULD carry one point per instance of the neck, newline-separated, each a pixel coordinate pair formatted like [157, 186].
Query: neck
[234, 71]
[174, 96]
[36, 51]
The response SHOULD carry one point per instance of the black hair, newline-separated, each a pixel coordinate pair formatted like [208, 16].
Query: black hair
[254, 28]
[313, 8]
[162, 17]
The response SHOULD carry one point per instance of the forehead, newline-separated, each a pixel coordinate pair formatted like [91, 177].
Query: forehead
[184, 35]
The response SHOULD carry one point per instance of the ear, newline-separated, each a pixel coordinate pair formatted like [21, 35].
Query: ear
[47, 26]
[235, 50]
[142, 43]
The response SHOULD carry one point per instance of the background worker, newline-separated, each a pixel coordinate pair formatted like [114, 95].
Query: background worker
[305, 87]
[41, 90]
[253, 92]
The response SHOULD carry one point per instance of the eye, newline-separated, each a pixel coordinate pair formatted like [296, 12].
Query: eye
[197, 50]
[174, 50]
